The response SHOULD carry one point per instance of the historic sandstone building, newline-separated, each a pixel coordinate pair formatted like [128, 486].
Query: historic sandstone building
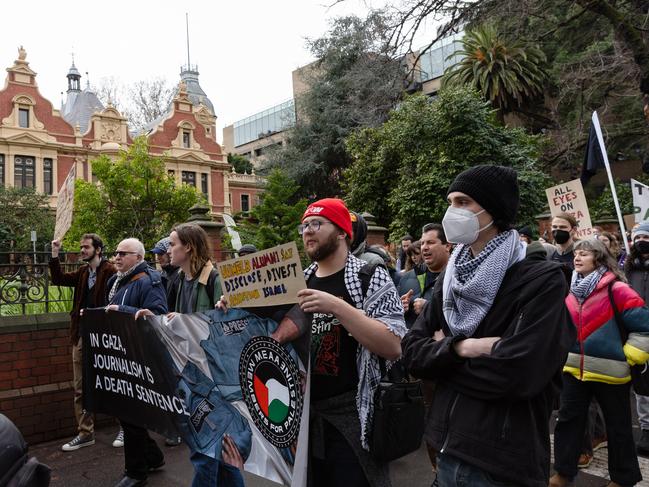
[39, 143]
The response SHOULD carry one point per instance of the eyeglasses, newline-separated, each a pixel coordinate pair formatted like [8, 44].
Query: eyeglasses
[123, 253]
[313, 225]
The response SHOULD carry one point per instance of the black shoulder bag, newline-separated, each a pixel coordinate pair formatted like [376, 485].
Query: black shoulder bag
[398, 422]
[639, 373]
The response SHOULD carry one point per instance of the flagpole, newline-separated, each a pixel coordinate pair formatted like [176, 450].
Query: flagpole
[600, 139]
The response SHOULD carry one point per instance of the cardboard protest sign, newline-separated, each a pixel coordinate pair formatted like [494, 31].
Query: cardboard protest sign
[569, 198]
[65, 205]
[203, 376]
[640, 194]
[267, 278]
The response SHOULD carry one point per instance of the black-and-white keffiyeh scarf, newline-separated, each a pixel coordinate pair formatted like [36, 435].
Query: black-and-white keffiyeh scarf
[471, 284]
[382, 303]
[581, 286]
[120, 277]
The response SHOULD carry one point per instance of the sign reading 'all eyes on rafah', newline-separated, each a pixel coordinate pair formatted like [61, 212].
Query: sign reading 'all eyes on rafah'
[267, 278]
[569, 198]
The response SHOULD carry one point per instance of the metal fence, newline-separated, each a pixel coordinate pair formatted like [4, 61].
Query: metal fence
[25, 286]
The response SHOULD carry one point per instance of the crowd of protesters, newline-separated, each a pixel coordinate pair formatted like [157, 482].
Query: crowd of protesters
[501, 327]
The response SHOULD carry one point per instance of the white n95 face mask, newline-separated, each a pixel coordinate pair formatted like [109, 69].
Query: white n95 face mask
[462, 226]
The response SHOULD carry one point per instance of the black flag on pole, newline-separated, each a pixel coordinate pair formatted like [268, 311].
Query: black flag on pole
[593, 159]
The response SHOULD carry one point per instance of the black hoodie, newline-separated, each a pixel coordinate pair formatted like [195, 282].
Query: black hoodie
[493, 411]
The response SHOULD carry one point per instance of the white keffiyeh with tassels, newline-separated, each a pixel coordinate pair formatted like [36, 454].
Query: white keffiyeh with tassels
[383, 304]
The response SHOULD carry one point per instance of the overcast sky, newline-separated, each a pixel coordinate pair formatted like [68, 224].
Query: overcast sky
[245, 50]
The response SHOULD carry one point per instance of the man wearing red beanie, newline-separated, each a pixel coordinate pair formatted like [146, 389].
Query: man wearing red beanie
[350, 330]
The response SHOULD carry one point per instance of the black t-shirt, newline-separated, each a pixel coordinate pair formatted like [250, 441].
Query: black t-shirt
[333, 349]
[186, 298]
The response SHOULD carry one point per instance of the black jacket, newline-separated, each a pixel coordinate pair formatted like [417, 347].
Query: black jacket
[410, 280]
[638, 273]
[79, 280]
[493, 411]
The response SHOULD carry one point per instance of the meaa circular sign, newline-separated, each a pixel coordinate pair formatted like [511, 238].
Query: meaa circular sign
[270, 384]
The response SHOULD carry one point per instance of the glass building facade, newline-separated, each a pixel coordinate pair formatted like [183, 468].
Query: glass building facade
[274, 119]
[434, 61]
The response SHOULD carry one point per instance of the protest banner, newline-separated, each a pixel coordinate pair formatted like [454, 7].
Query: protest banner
[267, 278]
[203, 376]
[65, 205]
[125, 372]
[640, 194]
[569, 198]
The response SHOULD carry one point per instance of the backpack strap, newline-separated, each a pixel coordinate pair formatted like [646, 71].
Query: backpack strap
[365, 275]
[619, 321]
[137, 276]
[214, 275]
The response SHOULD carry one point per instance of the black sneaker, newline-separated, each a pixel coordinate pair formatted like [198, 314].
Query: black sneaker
[78, 442]
[643, 443]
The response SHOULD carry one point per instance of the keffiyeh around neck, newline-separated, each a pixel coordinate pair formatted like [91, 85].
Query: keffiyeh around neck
[120, 277]
[581, 287]
[471, 284]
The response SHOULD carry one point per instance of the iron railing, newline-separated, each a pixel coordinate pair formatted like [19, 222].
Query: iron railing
[25, 285]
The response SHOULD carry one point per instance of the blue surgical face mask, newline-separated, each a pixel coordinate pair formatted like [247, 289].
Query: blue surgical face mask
[462, 226]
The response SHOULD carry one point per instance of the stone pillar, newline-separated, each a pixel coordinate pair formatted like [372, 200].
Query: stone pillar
[199, 214]
[375, 234]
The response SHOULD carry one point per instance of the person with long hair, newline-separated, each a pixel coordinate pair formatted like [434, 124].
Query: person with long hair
[199, 288]
[598, 363]
[614, 246]
[413, 256]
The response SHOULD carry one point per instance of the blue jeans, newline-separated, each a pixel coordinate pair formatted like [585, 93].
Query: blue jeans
[452, 472]
[209, 472]
[210, 417]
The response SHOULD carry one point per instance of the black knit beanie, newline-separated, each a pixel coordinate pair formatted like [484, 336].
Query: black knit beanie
[495, 188]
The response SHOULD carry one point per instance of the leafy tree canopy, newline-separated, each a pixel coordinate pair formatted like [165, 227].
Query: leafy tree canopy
[274, 221]
[135, 197]
[603, 205]
[241, 164]
[507, 73]
[355, 82]
[401, 170]
[21, 211]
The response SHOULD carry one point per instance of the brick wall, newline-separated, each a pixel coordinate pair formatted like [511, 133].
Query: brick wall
[36, 375]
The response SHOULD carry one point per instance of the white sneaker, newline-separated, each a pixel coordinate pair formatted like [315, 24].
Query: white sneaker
[118, 442]
[79, 442]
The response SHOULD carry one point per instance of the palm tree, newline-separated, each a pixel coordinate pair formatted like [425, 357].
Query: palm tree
[507, 73]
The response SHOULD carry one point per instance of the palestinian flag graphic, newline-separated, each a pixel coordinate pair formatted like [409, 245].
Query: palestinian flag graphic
[272, 393]
[270, 383]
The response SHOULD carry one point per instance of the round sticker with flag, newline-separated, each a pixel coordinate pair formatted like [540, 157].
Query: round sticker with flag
[270, 383]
